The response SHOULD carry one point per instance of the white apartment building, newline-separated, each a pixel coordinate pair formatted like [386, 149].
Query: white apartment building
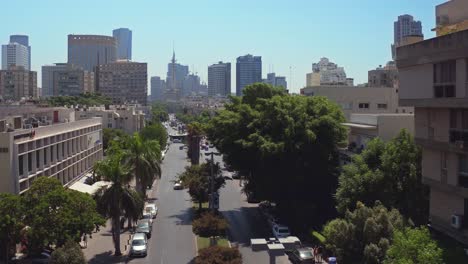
[47, 142]
[15, 54]
[325, 72]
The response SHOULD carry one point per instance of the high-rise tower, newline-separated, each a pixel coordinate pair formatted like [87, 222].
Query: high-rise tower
[123, 36]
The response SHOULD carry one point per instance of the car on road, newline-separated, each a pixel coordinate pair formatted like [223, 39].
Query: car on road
[178, 186]
[177, 140]
[139, 246]
[152, 209]
[280, 231]
[302, 255]
[148, 216]
[144, 226]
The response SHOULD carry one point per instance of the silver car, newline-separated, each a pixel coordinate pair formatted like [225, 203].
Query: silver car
[139, 246]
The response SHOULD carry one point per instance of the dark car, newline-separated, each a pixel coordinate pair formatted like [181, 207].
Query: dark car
[144, 226]
[302, 255]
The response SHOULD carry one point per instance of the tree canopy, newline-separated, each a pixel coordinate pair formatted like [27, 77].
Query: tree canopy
[218, 255]
[11, 223]
[285, 145]
[87, 99]
[388, 172]
[69, 253]
[155, 131]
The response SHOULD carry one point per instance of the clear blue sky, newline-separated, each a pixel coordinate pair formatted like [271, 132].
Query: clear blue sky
[355, 34]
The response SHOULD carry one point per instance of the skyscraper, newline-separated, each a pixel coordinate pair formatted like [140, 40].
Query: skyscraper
[15, 54]
[48, 77]
[191, 85]
[157, 88]
[219, 79]
[176, 74]
[405, 26]
[89, 51]
[123, 36]
[248, 71]
[277, 81]
[23, 40]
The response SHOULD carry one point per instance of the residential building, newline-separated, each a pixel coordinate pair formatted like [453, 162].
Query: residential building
[17, 83]
[123, 81]
[313, 79]
[277, 81]
[89, 51]
[326, 72]
[356, 99]
[125, 117]
[433, 75]
[73, 81]
[349, 81]
[158, 87]
[23, 40]
[404, 27]
[48, 77]
[248, 71]
[176, 74]
[450, 17]
[37, 142]
[219, 79]
[15, 54]
[123, 36]
[386, 76]
[191, 85]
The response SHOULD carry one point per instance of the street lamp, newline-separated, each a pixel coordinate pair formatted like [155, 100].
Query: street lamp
[212, 154]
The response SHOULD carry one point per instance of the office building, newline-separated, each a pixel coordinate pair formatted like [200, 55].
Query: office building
[37, 142]
[176, 74]
[277, 81]
[386, 76]
[23, 40]
[191, 85]
[15, 54]
[89, 51]
[219, 79]
[204, 89]
[158, 87]
[326, 72]
[73, 81]
[123, 36]
[433, 75]
[125, 117]
[17, 83]
[123, 81]
[48, 77]
[405, 27]
[248, 71]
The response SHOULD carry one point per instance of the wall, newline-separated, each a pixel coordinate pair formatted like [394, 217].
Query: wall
[416, 82]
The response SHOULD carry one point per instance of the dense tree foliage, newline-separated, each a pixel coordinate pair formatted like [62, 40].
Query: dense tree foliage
[413, 246]
[87, 99]
[69, 253]
[363, 235]
[195, 132]
[155, 131]
[159, 113]
[11, 223]
[188, 117]
[286, 146]
[210, 224]
[218, 255]
[113, 136]
[388, 172]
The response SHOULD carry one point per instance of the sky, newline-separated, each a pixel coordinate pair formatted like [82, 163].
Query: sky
[290, 35]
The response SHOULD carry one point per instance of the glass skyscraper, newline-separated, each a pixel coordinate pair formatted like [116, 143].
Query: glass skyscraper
[248, 71]
[124, 43]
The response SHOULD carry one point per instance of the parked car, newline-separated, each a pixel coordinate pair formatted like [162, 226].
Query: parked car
[144, 226]
[177, 140]
[148, 216]
[178, 186]
[139, 246]
[302, 255]
[280, 231]
[152, 209]
[43, 258]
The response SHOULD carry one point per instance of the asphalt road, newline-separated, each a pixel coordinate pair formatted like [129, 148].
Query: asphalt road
[172, 240]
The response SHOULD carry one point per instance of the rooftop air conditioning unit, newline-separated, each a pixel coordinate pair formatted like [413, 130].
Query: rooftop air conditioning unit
[456, 221]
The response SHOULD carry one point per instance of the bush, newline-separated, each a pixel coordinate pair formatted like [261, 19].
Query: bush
[209, 225]
[218, 255]
[70, 253]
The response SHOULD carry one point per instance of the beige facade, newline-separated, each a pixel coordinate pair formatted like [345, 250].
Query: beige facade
[39, 146]
[434, 79]
[313, 79]
[451, 17]
[358, 99]
[125, 117]
[17, 83]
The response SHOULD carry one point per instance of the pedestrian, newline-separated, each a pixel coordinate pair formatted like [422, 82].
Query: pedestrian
[315, 253]
[319, 253]
[97, 227]
[85, 241]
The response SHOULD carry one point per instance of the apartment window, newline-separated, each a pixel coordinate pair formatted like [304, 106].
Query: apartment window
[444, 79]
[363, 105]
[20, 164]
[382, 106]
[37, 159]
[453, 118]
[109, 125]
[29, 162]
[45, 156]
[462, 171]
[464, 121]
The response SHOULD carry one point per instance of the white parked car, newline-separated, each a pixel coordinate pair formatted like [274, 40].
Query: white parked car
[178, 186]
[281, 231]
[152, 209]
[149, 216]
[139, 245]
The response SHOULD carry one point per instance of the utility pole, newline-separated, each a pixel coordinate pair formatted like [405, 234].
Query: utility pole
[212, 195]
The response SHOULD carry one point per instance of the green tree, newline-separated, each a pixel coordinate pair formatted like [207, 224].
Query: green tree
[195, 132]
[286, 146]
[86, 99]
[159, 113]
[144, 158]
[69, 253]
[116, 200]
[113, 135]
[210, 224]
[11, 223]
[413, 246]
[218, 255]
[155, 131]
[363, 235]
[388, 172]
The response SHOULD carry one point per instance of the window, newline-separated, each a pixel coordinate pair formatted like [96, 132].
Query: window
[29, 162]
[37, 159]
[45, 156]
[382, 106]
[20, 164]
[453, 118]
[462, 171]
[444, 79]
[109, 125]
[464, 120]
[363, 105]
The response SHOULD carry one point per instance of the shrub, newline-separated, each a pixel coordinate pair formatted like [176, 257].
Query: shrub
[209, 225]
[218, 255]
[70, 253]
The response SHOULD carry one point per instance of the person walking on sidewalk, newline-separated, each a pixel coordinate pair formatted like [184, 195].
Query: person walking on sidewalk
[85, 241]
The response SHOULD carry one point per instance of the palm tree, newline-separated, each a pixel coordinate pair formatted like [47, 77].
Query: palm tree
[118, 199]
[143, 157]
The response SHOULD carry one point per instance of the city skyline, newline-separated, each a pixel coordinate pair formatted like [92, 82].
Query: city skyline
[306, 36]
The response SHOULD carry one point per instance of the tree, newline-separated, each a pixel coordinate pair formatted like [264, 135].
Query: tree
[195, 132]
[86, 99]
[413, 246]
[114, 201]
[11, 223]
[54, 214]
[69, 253]
[113, 135]
[218, 255]
[209, 224]
[388, 172]
[363, 235]
[143, 157]
[286, 146]
[155, 131]
[159, 113]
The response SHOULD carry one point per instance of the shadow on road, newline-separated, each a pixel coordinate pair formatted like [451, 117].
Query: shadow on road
[184, 218]
[106, 257]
